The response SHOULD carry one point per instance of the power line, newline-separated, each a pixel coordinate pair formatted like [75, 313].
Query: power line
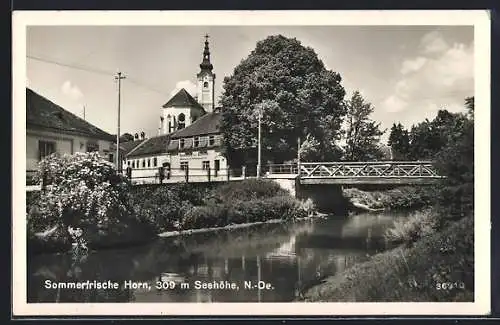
[103, 72]
[98, 71]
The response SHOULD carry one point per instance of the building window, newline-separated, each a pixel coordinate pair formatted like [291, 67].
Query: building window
[217, 164]
[211, 140]
[181, 143]
[92, 146]
[149, 162]
[205, 165]
[196, 142]
[155, 162]
[128, 163]
[111, 157]
[46, 148]
[133, 164]
[184, 165]
[143, 163]
[205, 84]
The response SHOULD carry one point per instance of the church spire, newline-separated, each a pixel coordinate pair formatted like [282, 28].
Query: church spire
[205, 64]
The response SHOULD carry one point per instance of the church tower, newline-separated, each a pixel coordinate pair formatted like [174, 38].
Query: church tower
[206, 81]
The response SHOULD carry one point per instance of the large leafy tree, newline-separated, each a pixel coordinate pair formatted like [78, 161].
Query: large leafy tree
[429, 137]
[296, 95]
[399, 141]
[456, 161]
[362, 133]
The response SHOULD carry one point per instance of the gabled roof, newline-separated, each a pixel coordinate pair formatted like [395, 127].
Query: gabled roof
[151, 146]
[206, 124]
[42, 113]
[183, 99]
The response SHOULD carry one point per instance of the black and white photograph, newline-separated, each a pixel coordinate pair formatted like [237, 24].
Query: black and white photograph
[288, 162]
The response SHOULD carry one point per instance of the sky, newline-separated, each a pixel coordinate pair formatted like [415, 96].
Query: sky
[407, 73]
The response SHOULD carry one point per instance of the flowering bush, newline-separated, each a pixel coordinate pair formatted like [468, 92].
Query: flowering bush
[82, 190]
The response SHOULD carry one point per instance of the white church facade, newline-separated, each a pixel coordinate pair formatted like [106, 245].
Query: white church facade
[190, 142]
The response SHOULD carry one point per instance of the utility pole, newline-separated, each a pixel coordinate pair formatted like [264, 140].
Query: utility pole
[259, 144]
[84, 112]
[298, 156]
[118, 77]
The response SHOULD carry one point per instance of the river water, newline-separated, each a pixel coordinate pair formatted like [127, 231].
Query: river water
[264, 263]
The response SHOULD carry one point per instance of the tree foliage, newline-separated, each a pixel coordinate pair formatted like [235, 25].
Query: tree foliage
[362, 133]
[399, 141]
[126, 137]
[296, 94]
[428, 138]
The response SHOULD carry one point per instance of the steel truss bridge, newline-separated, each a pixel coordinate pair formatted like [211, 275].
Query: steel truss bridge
[375, 172]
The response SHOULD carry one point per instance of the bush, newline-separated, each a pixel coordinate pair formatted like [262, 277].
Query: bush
[220, 215]
[411, 229]
[400, 198]
[249, 189]
[164, 206]
[205, 217]
[84, 191]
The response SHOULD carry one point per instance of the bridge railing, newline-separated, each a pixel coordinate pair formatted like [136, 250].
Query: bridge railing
[281, 169]
[370, 169]
[398, 169]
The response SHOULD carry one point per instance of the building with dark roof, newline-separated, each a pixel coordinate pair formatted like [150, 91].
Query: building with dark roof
[50, 128]
[190, 140]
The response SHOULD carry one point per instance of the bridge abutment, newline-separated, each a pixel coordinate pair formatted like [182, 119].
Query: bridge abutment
[327, 199]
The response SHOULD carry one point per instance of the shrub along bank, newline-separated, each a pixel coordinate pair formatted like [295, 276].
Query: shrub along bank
[400, 198]
[85, 192]
[189, 206]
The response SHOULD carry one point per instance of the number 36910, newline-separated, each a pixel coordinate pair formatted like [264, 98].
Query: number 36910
[450, 285]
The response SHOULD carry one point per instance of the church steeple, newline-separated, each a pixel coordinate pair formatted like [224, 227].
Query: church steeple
[206, 81]
[205, 64]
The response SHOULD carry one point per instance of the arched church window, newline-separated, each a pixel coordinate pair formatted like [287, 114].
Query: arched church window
[205, 84]
[182, 121]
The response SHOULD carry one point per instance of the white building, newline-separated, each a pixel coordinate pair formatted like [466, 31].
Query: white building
[190, 143]
[50, 129]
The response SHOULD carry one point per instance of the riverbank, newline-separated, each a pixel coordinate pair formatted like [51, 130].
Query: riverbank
[400, 198]
[439, 267]
[173, 210]
[234, 226]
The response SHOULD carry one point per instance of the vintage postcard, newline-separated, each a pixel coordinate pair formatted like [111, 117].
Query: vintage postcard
[245, 163]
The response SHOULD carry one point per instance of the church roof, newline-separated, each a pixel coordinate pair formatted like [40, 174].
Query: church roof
[42, 113]
[183, 99]
[151, 146]
[206, 124]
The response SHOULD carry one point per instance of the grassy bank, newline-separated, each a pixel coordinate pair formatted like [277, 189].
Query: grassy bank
[400, 198]
[415, 272]
[173, 208]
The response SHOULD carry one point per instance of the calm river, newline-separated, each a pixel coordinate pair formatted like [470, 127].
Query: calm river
[284, 257]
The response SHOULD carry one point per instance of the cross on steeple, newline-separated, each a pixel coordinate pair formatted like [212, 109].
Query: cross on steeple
[205, 64]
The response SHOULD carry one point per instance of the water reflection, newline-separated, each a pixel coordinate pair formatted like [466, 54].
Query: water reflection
[286, 257]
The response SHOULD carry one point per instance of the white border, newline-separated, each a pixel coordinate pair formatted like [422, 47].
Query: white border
[479, 19]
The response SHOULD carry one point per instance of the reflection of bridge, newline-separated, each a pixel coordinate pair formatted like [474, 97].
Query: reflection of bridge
[376, 172]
